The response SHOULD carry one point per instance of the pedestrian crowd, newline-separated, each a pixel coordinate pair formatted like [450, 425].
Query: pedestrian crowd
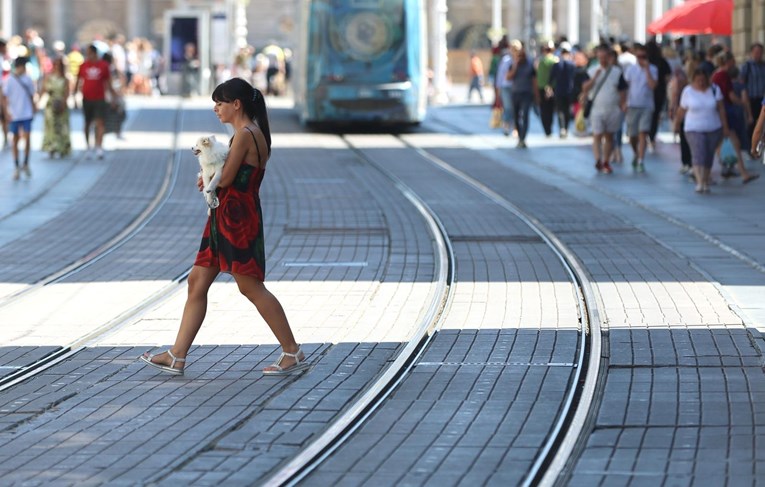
[269, 69]
[36, 77]
[712, 102]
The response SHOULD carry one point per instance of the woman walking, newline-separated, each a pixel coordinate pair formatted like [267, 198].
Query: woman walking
[56, 138]
[702, 109]
[232, 241]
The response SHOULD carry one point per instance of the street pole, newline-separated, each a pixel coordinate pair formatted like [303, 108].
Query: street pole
[595, 21]
[547, 20]
[440, 9]
[640, 21]
[572, 30]
[658, 9]
[240, 23]
[8, 21]
[495, 33]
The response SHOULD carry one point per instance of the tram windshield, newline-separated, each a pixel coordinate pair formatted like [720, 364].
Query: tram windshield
[358, 41]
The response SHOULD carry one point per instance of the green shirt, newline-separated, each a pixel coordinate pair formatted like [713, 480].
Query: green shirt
[544, 69]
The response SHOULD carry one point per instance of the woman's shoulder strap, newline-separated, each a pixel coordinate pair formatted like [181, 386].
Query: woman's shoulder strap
[254, 139]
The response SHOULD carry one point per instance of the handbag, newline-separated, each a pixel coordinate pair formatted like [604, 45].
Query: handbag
[728, 154]
[589, 101]
[496, 118]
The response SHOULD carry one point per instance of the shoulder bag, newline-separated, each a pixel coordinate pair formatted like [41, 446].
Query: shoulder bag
[588, 103]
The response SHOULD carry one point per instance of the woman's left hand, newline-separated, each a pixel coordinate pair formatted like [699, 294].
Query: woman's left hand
[200, 183]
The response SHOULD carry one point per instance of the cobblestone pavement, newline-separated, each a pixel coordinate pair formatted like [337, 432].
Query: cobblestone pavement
[347, 254]
[682, 399]
[676, 274]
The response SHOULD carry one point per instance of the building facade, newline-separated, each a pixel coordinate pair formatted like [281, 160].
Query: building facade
[748, 25]
[582, 21]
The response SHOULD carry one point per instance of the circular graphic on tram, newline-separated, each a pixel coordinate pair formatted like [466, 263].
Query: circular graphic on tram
[366, 35]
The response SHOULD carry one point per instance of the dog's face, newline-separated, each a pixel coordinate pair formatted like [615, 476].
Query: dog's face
[203, 144]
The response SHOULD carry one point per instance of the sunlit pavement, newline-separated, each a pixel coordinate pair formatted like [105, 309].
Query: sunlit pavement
[679, 278]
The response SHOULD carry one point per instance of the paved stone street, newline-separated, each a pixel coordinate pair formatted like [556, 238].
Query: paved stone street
[92, 273]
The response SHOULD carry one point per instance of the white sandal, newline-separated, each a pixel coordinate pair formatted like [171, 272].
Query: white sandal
[164, 368]
[296, 368]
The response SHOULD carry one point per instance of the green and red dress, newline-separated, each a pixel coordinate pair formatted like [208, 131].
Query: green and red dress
[233, 236]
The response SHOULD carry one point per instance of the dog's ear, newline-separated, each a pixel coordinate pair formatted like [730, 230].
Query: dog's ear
[205, 141]
[212, 139]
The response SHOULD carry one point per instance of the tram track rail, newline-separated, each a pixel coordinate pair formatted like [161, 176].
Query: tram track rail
[566, 434]
[153, 209]
[709, 238]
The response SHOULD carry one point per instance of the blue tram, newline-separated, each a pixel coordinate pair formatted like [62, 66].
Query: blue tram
[362, 61]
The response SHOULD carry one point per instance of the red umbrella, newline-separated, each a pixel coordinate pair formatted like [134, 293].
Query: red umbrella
[696, 17]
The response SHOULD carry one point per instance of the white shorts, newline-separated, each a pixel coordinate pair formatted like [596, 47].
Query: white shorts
[638, 120]
[606, 122]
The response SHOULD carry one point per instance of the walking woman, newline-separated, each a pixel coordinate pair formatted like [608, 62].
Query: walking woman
[56, 139]
[232, 241]
[525, 92]
[702, 109]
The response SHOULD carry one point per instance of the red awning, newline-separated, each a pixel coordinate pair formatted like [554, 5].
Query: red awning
[696, 17]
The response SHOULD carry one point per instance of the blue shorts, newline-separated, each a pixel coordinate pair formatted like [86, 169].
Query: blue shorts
[14, 126]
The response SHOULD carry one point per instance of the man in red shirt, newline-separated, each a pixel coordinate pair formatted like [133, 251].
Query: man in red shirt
[94, 80]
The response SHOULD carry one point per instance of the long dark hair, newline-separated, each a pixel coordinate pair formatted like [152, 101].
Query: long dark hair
[252, 100]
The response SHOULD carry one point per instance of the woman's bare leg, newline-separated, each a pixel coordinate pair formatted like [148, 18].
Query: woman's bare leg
[272, 312]
[698, 173]
[200, 280]
[707, 177]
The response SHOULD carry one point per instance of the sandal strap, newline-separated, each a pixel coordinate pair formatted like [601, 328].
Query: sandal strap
[296, 356]
[175, 359]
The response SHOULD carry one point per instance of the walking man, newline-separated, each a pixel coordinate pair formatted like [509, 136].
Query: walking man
[505, 88]
[606, 90]
[642, 80]
[562, 82]
[753, 77]
[20, 104]
[546, 95]
[94, 80]
[476, 76]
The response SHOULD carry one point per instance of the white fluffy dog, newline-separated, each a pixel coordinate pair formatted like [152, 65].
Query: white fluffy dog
[212, 155]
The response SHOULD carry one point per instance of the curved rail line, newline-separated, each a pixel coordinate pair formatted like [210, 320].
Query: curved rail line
[128, 233]
[353, 417]
[738, 254]
[555, 453]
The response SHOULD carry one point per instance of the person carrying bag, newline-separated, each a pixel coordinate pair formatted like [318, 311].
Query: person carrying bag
[588, 102]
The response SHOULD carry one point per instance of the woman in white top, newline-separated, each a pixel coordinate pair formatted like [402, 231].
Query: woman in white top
[701, 104]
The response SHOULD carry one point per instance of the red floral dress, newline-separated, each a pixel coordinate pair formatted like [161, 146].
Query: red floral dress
[233, 236]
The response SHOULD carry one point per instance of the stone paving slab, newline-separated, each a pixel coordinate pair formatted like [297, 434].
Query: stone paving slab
[13, 359]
